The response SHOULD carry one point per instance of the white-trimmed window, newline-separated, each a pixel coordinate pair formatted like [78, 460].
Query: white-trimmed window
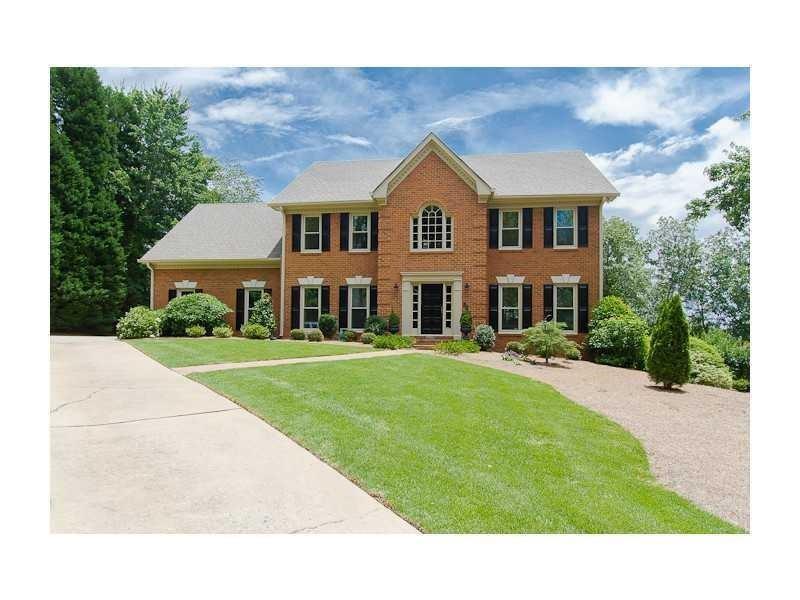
[565, 306]
[312, 233]
[184, 292]
[431, 229]
[251, 296]
[511, 229]
[310, 301]
[566, 227]
[510, 303]
[359, 232]
[358, 306]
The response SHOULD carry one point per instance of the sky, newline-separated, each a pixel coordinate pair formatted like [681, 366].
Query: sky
[651, 131]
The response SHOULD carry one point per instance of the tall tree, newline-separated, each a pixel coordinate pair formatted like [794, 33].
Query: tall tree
[88, 268]
[731, 195]
[164, 173]
[625, 272]
[726, 273]
[231, 183]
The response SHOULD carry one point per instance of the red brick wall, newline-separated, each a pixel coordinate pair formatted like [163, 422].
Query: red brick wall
[220, 283]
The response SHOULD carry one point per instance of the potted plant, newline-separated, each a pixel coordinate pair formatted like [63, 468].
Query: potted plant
[466, 322]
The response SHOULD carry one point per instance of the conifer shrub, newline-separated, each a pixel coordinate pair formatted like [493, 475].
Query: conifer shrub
[328, 325]
[262, 313]
[668, 361]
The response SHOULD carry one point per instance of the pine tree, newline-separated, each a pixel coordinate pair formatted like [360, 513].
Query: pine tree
[668, 359]
[88, 268]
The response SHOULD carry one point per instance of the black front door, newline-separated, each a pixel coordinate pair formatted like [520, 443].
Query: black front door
[431, 308]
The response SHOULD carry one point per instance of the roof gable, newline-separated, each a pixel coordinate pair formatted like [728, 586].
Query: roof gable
[432, 144]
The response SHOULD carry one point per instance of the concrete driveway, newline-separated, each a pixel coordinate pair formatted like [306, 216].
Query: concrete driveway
[138, 448]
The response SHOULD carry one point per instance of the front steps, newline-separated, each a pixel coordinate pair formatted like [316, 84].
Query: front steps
[422, 342]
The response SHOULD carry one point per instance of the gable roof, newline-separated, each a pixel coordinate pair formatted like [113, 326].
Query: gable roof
[535, 174]
[226, 231]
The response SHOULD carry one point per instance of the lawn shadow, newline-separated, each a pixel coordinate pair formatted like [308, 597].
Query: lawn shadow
[659, 388]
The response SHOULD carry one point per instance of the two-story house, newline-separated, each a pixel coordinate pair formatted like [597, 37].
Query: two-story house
[515, 237]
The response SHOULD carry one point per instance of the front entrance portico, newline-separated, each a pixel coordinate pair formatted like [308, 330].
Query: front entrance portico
[431, 303]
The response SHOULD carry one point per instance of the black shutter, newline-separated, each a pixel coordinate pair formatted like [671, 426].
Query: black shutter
[583, 308]
[373, 232]
[527, 228]
[198, 290]
[527, 305]
[344, 231]
[343, 322]
[548, 227]
[172, 294]
[547, 302]
[373, 300]
[296, 232]
[268, 291]
[325, 306]
[494, 219]
[326, 232]
[583, 226]
[493, 316]
[295, 307]
[239, 308]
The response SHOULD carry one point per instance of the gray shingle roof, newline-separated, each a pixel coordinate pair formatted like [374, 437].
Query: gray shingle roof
[568, 173]
[222, 232]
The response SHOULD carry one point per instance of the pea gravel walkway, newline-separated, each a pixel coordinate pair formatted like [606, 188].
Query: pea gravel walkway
[697, 439]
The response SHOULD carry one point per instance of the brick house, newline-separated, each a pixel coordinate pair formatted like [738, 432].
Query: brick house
[515, 237]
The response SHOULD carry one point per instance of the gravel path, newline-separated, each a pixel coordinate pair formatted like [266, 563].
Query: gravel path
[697, 438]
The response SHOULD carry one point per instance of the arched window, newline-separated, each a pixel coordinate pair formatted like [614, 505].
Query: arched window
[431, 229]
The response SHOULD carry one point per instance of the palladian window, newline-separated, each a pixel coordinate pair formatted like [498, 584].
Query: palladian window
[431, 230]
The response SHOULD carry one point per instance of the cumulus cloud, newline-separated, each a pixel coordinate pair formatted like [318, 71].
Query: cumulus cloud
[193, 80]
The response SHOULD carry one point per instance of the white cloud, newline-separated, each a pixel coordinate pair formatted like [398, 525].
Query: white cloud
[276, 111]
[453, 123]
[193, 80]
[350, 140]
[670, 99]
[285, 153]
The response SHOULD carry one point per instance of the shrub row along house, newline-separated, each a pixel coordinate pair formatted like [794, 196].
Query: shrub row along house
[515, 237]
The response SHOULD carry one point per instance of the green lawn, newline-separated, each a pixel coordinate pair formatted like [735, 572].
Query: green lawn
[185, 352]
[455, 447]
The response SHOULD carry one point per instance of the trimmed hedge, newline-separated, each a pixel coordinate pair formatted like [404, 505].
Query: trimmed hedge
[457, 347]
[223, 331]
[297, 334]
[193, 309]
[315, 335]
[367, 337]
[254, 331]
[195, 331]
[328, 325]
[392, 342]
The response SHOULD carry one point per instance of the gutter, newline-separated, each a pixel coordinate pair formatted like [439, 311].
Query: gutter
[152, 287]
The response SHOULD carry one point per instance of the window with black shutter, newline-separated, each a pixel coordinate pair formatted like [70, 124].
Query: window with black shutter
[494, 220]
[373, 231]
[548, 227]
[297, 229]
[295, 308]
[344, 231]
[239, 308]
[583, 226]
[527, 305]
[172, 294]
[583, 308]
[343, 322]
[326, 232]
[373, 300]
[527, 228]
[493, 312]
[547, 302]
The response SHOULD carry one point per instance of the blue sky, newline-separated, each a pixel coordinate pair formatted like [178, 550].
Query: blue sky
[651, 131]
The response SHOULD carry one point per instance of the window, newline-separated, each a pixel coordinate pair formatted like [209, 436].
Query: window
[311, 233]
[251, 296]
[359, 306]
[359, 232]
[565, 306]
[510, 229]
[415, 307]
[310, 306]
[185, 292]
[431, 230]
[565, 227]
[510, 307]
[448, 306]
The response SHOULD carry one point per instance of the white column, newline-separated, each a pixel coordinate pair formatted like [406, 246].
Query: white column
[406, 306]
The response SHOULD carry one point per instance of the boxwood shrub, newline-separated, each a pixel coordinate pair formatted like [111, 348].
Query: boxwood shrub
[367, 337]
[392, 342]
[707, 366]
[328, 325]
[254, 331]
[140, 322]
[195, 331]
[193, 309]
[297, 334]
[315, 335]
[457, 347]
[222, 331]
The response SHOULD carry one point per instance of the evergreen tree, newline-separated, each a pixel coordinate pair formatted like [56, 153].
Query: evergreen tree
[668, 359]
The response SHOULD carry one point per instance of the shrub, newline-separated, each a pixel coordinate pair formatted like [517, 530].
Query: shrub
[367, 337]
[392, 342]
[348, 335]
[741, 385]
[466, 322]
[668, 359]
[706, 374]
[517, 347]
[262, 313]
[610, 307]
[222, 331]
[573, 353]
[619, 341]
[254, 331]
[393, 322]
[546, 339]
[297, 334]
[735, 352]
[195, 331]
[457, 347]
[139, 322]
[485, 337]
[376, 324]
[328, 325]
[193, 309]
[315, 335]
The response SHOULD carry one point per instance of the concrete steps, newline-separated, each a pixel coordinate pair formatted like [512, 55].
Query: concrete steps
[422, 342]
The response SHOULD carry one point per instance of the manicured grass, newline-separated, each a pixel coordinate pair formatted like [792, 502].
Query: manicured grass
[185, 352]
[455, 447]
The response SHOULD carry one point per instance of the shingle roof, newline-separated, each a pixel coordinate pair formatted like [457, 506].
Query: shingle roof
[568, 173]
[224, 231]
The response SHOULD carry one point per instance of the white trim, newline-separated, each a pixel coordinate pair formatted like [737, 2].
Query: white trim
[254, 283]
[565, 278]
[350, 289]
[359, 280]
[410, 279]
[574, 243]
[303, 304]
[518, 245]
[152, 286]
[247, 291]
[303, 248]
[574, 287]
[185, 285]
[500, 289]
[283, 269]
[600, 218]
[510, 279]
[352, 232]
[310, 280]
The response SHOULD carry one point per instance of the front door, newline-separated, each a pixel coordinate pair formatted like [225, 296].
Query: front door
[431, 318]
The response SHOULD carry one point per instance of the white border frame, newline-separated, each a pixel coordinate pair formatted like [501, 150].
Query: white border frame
[418, 216]
[303, 248]
[574, 244]
[351, 232]
[303, 289]
[500, 289]
[350, 289]
[500, 229]
[574, 287]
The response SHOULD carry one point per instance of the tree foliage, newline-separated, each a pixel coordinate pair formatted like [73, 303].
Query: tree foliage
[625, 271]
[546, 339]
[668, 359]
[231, 183]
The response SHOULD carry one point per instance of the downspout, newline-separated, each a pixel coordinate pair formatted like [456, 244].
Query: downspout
[283, 267]
[152, 291]
[602, 202]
